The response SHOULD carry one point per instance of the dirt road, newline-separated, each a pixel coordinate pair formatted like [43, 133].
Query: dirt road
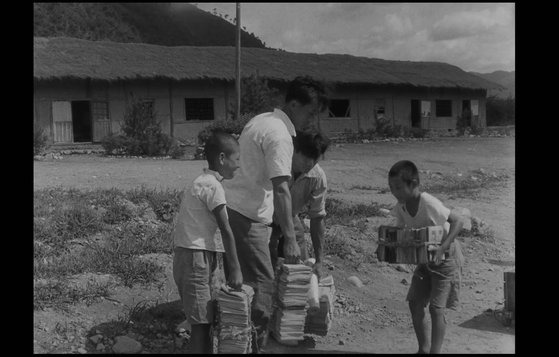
[372, 319]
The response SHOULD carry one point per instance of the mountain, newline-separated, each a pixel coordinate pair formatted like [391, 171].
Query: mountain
[156, 23]
[504, 78]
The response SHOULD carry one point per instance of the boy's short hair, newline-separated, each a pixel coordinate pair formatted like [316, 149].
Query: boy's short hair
[304, 89]
[407, 171]
[311, 143]
[219, 142]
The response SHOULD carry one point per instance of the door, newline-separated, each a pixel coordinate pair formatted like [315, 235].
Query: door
[62, 122]
[81, 121]
[415, 113]
[467, 112]
[101, 122]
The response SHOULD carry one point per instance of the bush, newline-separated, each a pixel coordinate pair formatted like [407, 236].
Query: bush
[500, 111]
[115, 144]
[39, 141]
[229, 126]
[141, 133]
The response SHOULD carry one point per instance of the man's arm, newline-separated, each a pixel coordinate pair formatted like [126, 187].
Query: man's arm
[317, 236]
[283, 208]
[235, 278]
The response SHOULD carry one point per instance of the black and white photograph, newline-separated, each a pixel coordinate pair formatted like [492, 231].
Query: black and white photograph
[274, 178]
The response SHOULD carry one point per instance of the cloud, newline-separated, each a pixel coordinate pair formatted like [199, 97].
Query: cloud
[344, 11]
[472, 23]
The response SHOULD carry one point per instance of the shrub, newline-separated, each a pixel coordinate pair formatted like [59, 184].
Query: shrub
[141, 133]
[39, 141]
[115, 144]
[176, 151]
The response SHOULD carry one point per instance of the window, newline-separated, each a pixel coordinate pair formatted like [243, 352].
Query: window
[425, 108]
[199, 108]
[379, 108]
[443, 108]
[148, 104]
[339, 108]
[475, 107]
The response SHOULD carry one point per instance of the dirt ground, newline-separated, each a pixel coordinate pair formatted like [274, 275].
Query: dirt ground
[371, 319]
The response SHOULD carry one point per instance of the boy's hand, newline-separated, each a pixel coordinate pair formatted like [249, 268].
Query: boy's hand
[439, 256]
[235, 280]
[317, 269]
[291, 251]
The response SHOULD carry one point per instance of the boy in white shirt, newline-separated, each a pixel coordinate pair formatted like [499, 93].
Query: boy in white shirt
[202, 211]
[436, 283]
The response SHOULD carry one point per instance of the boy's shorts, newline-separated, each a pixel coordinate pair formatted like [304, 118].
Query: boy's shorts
[436, 285]
[193, 271]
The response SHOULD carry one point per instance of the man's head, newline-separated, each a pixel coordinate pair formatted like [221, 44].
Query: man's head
[222, 153]
[309, 146]
[304, 99]
[403, 180]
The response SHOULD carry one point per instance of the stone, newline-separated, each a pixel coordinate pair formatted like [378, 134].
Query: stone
[124, 344]
[404, 281]
[100, 347]
[355, 281]
[82, 350]
[341, 342]
[96, 338]
[402, 268]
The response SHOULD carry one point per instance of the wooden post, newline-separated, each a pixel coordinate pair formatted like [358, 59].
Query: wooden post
[238, 63]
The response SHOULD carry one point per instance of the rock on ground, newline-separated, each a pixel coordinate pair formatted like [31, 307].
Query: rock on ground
[124, 344]
[355, 281]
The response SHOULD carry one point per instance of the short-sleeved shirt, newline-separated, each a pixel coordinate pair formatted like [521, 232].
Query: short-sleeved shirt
[195, 225]
[309, 191]
[266, 151]
[431, 212]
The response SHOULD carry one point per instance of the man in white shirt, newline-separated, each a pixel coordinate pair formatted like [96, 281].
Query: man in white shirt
[261, 187]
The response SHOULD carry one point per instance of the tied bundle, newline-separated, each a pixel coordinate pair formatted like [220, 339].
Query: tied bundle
[290, 303]
[233, 320]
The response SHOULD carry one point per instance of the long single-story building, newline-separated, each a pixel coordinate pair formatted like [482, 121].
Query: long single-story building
[81, 87]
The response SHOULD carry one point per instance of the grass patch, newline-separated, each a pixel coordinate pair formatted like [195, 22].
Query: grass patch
[341, 212]
[462, 186]
[360, 187]
[58, 294]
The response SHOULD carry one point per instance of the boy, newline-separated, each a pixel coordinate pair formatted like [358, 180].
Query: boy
[202, 211]
[308, 190]
[436, 283]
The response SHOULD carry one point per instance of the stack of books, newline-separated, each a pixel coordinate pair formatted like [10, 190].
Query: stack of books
[409, 246]
[318, 321]
[233, 320]
[290, 303]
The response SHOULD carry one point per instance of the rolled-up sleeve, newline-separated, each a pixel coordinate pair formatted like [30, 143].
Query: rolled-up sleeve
[317, 202]
[278, 154]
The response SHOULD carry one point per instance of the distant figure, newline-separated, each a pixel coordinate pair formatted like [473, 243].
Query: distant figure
[437, 283]
[201, 212]
[261, 189]
[308, 193]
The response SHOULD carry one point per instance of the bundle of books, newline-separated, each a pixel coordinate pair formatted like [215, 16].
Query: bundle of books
[408, 246]
[290, 303]
[233, 320]
[319, 320]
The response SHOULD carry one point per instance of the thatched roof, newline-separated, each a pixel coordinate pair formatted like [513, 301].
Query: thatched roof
[63, 57]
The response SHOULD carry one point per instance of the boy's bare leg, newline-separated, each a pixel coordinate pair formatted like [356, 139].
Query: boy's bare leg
[420, 326]
[200, 339]
[437, 329]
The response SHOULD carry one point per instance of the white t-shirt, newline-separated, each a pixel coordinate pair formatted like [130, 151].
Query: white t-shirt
[195, 225]
[266, 149]
[431, 212]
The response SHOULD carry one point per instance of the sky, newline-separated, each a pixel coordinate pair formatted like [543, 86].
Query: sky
[477, 37]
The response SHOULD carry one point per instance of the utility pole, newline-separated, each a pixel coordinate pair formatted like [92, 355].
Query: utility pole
[238, 63]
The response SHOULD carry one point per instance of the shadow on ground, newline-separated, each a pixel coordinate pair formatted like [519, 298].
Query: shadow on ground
[488, 321]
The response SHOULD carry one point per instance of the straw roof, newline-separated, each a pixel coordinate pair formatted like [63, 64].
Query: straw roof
[63, 57]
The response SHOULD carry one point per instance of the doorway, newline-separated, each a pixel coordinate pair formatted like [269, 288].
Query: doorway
[415, 113]
[467, 112]
[81, 121]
